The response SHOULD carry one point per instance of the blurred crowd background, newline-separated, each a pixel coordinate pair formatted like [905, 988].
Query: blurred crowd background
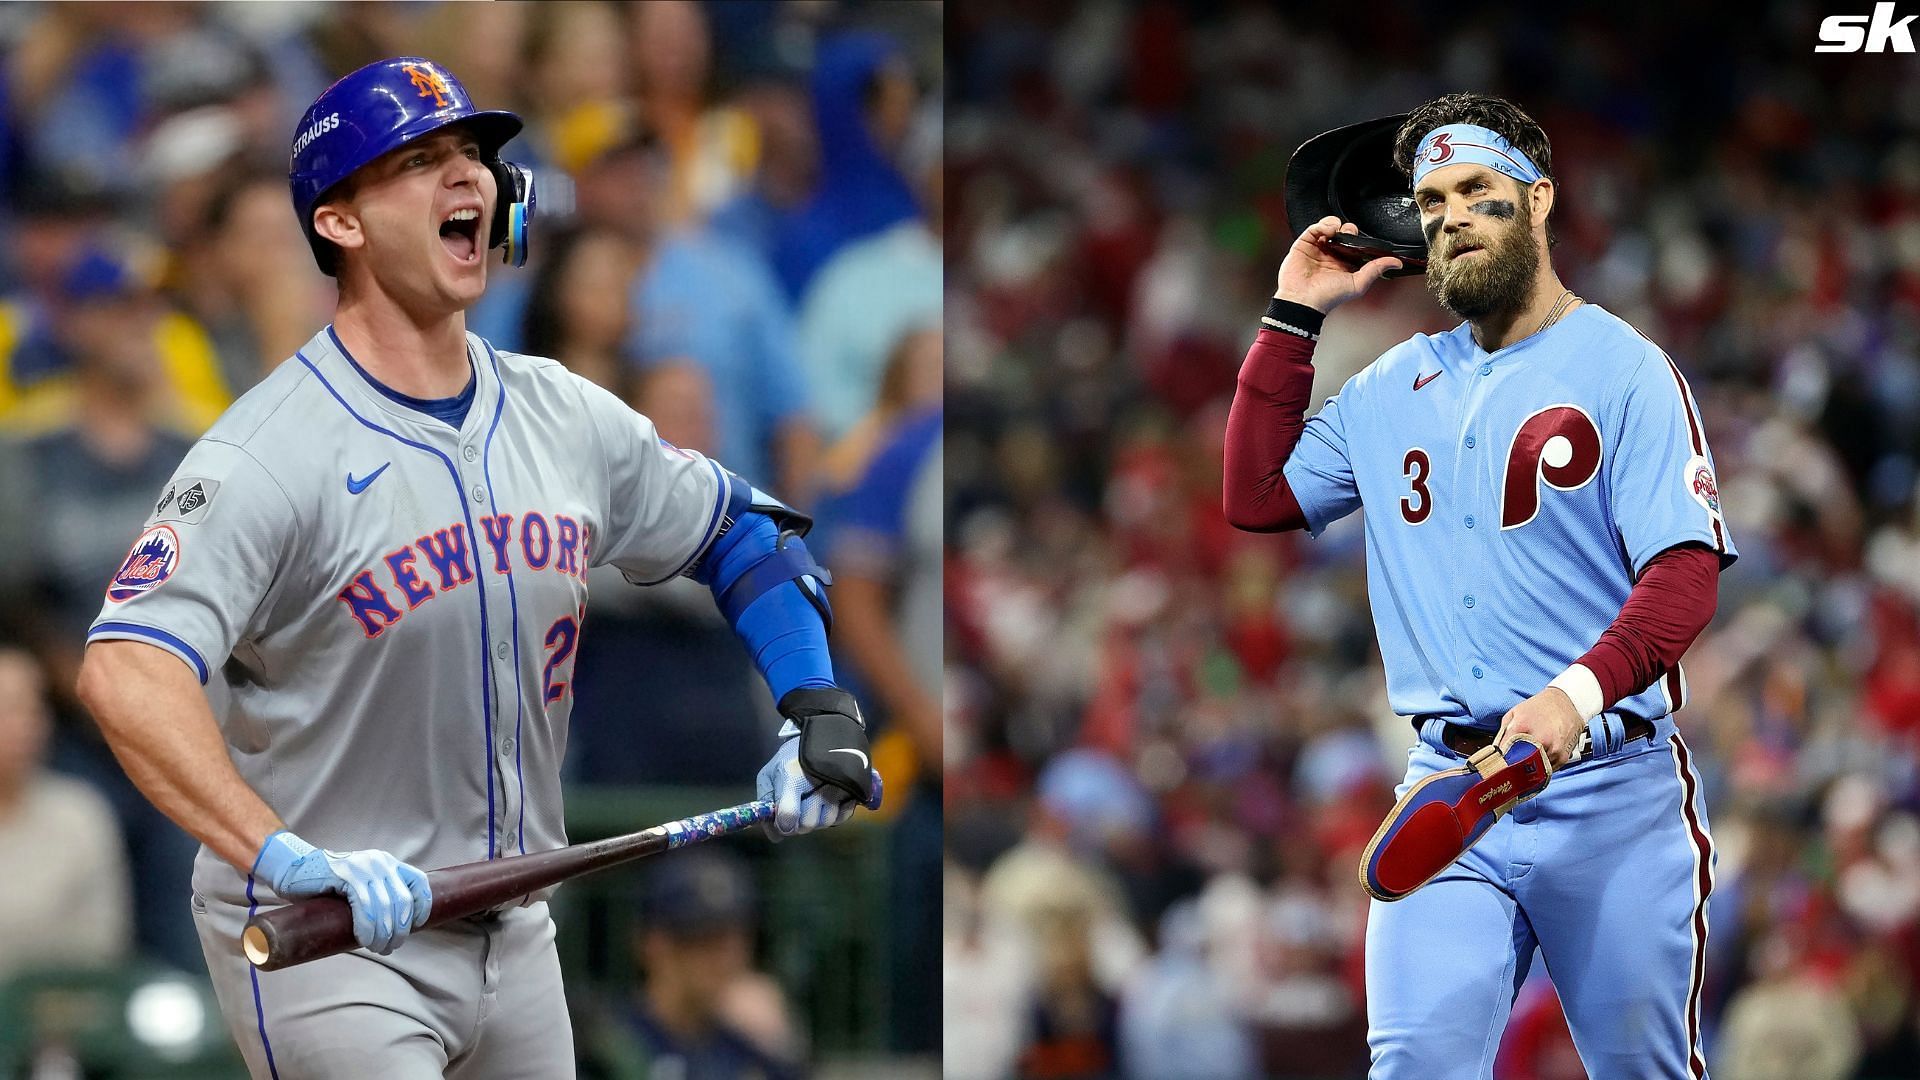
[754, 261]
[1167, 742]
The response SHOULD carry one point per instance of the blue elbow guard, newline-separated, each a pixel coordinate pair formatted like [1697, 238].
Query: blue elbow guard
[753, 557]
[788, 561]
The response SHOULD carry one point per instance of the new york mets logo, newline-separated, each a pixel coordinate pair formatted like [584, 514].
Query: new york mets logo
[429, 83]
[1440, 149]
[154, 558]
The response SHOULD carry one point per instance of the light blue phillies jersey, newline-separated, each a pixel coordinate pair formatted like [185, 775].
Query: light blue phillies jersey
[1513, 498]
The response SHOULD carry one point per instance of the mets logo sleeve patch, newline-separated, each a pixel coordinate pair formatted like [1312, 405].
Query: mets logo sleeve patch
[155, 556]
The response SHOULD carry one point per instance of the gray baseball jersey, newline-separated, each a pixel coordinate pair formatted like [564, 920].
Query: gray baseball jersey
[394, 604]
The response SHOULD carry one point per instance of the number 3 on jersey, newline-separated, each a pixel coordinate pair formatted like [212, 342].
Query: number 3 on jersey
[1416, 467]
[562, 636]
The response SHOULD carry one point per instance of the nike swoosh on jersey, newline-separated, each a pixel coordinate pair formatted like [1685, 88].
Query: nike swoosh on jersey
[861, 754]
[1422, 380]
[355, 487]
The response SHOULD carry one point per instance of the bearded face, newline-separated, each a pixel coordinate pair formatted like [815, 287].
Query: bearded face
[1490, 268]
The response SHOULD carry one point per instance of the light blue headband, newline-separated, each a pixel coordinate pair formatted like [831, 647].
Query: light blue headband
[1455, 144]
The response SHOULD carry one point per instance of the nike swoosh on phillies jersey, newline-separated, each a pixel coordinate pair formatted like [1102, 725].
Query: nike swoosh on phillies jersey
[355, 487]
[1422, 380]
[861, 754]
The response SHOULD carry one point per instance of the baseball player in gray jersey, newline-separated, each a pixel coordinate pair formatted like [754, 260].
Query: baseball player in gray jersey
[381, 551]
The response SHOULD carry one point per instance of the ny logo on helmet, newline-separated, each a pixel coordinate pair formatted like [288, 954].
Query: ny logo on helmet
[429, 83]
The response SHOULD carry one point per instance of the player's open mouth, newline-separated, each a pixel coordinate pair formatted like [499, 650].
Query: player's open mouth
[460, 232]
[1464, 249]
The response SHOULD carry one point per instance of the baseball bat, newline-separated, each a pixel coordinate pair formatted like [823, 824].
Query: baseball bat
[323, 925]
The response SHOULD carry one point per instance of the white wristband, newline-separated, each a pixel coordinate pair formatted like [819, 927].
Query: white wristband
[1582, 687]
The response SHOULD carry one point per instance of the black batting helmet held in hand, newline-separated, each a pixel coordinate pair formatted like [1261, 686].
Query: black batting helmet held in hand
[1348, 172]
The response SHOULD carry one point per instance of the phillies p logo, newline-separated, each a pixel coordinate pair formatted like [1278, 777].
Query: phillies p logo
[1558, 447]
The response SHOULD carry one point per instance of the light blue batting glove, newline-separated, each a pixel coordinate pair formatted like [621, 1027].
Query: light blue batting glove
[390, 899]
[800, 806]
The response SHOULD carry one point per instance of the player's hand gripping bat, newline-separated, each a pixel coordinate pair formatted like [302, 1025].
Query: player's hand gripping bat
[323, 925]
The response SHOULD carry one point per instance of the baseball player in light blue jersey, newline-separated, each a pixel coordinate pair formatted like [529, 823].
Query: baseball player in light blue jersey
[1543, 534]
[381, 552]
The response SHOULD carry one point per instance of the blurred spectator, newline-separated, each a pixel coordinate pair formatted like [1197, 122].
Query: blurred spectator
[785, 170]
[710, 149]
[578, 80]
[678, 396]
[1176, 1020]
[67, 897]
[576, 309]
[75, 89]
[863, 103]
[1040, 874]
[53, 221]
[703, 1013]
[986, 980]
[868, 295]
[103, 312]
[1075, 1022]
[1788, 1030]
[215, 103]
[249, 278]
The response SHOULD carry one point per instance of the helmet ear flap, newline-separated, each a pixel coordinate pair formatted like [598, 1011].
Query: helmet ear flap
[513, 212]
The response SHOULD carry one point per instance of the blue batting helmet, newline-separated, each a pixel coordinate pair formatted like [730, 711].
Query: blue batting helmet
[385, 105]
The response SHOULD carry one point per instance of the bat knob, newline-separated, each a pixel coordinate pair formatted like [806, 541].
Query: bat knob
[253, 942]
[879, 791]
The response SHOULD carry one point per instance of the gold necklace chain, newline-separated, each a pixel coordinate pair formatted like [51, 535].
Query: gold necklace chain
[1560, 307]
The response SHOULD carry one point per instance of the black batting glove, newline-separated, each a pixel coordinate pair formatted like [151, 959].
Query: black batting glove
[833, 741]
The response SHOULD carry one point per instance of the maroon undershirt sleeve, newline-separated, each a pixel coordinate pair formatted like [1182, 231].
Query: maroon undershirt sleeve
[1671, 603]
[1268, 415]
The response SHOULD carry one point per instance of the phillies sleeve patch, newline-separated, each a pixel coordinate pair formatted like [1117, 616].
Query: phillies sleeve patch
[1701, 485]
[186, 500]
[154, 558]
